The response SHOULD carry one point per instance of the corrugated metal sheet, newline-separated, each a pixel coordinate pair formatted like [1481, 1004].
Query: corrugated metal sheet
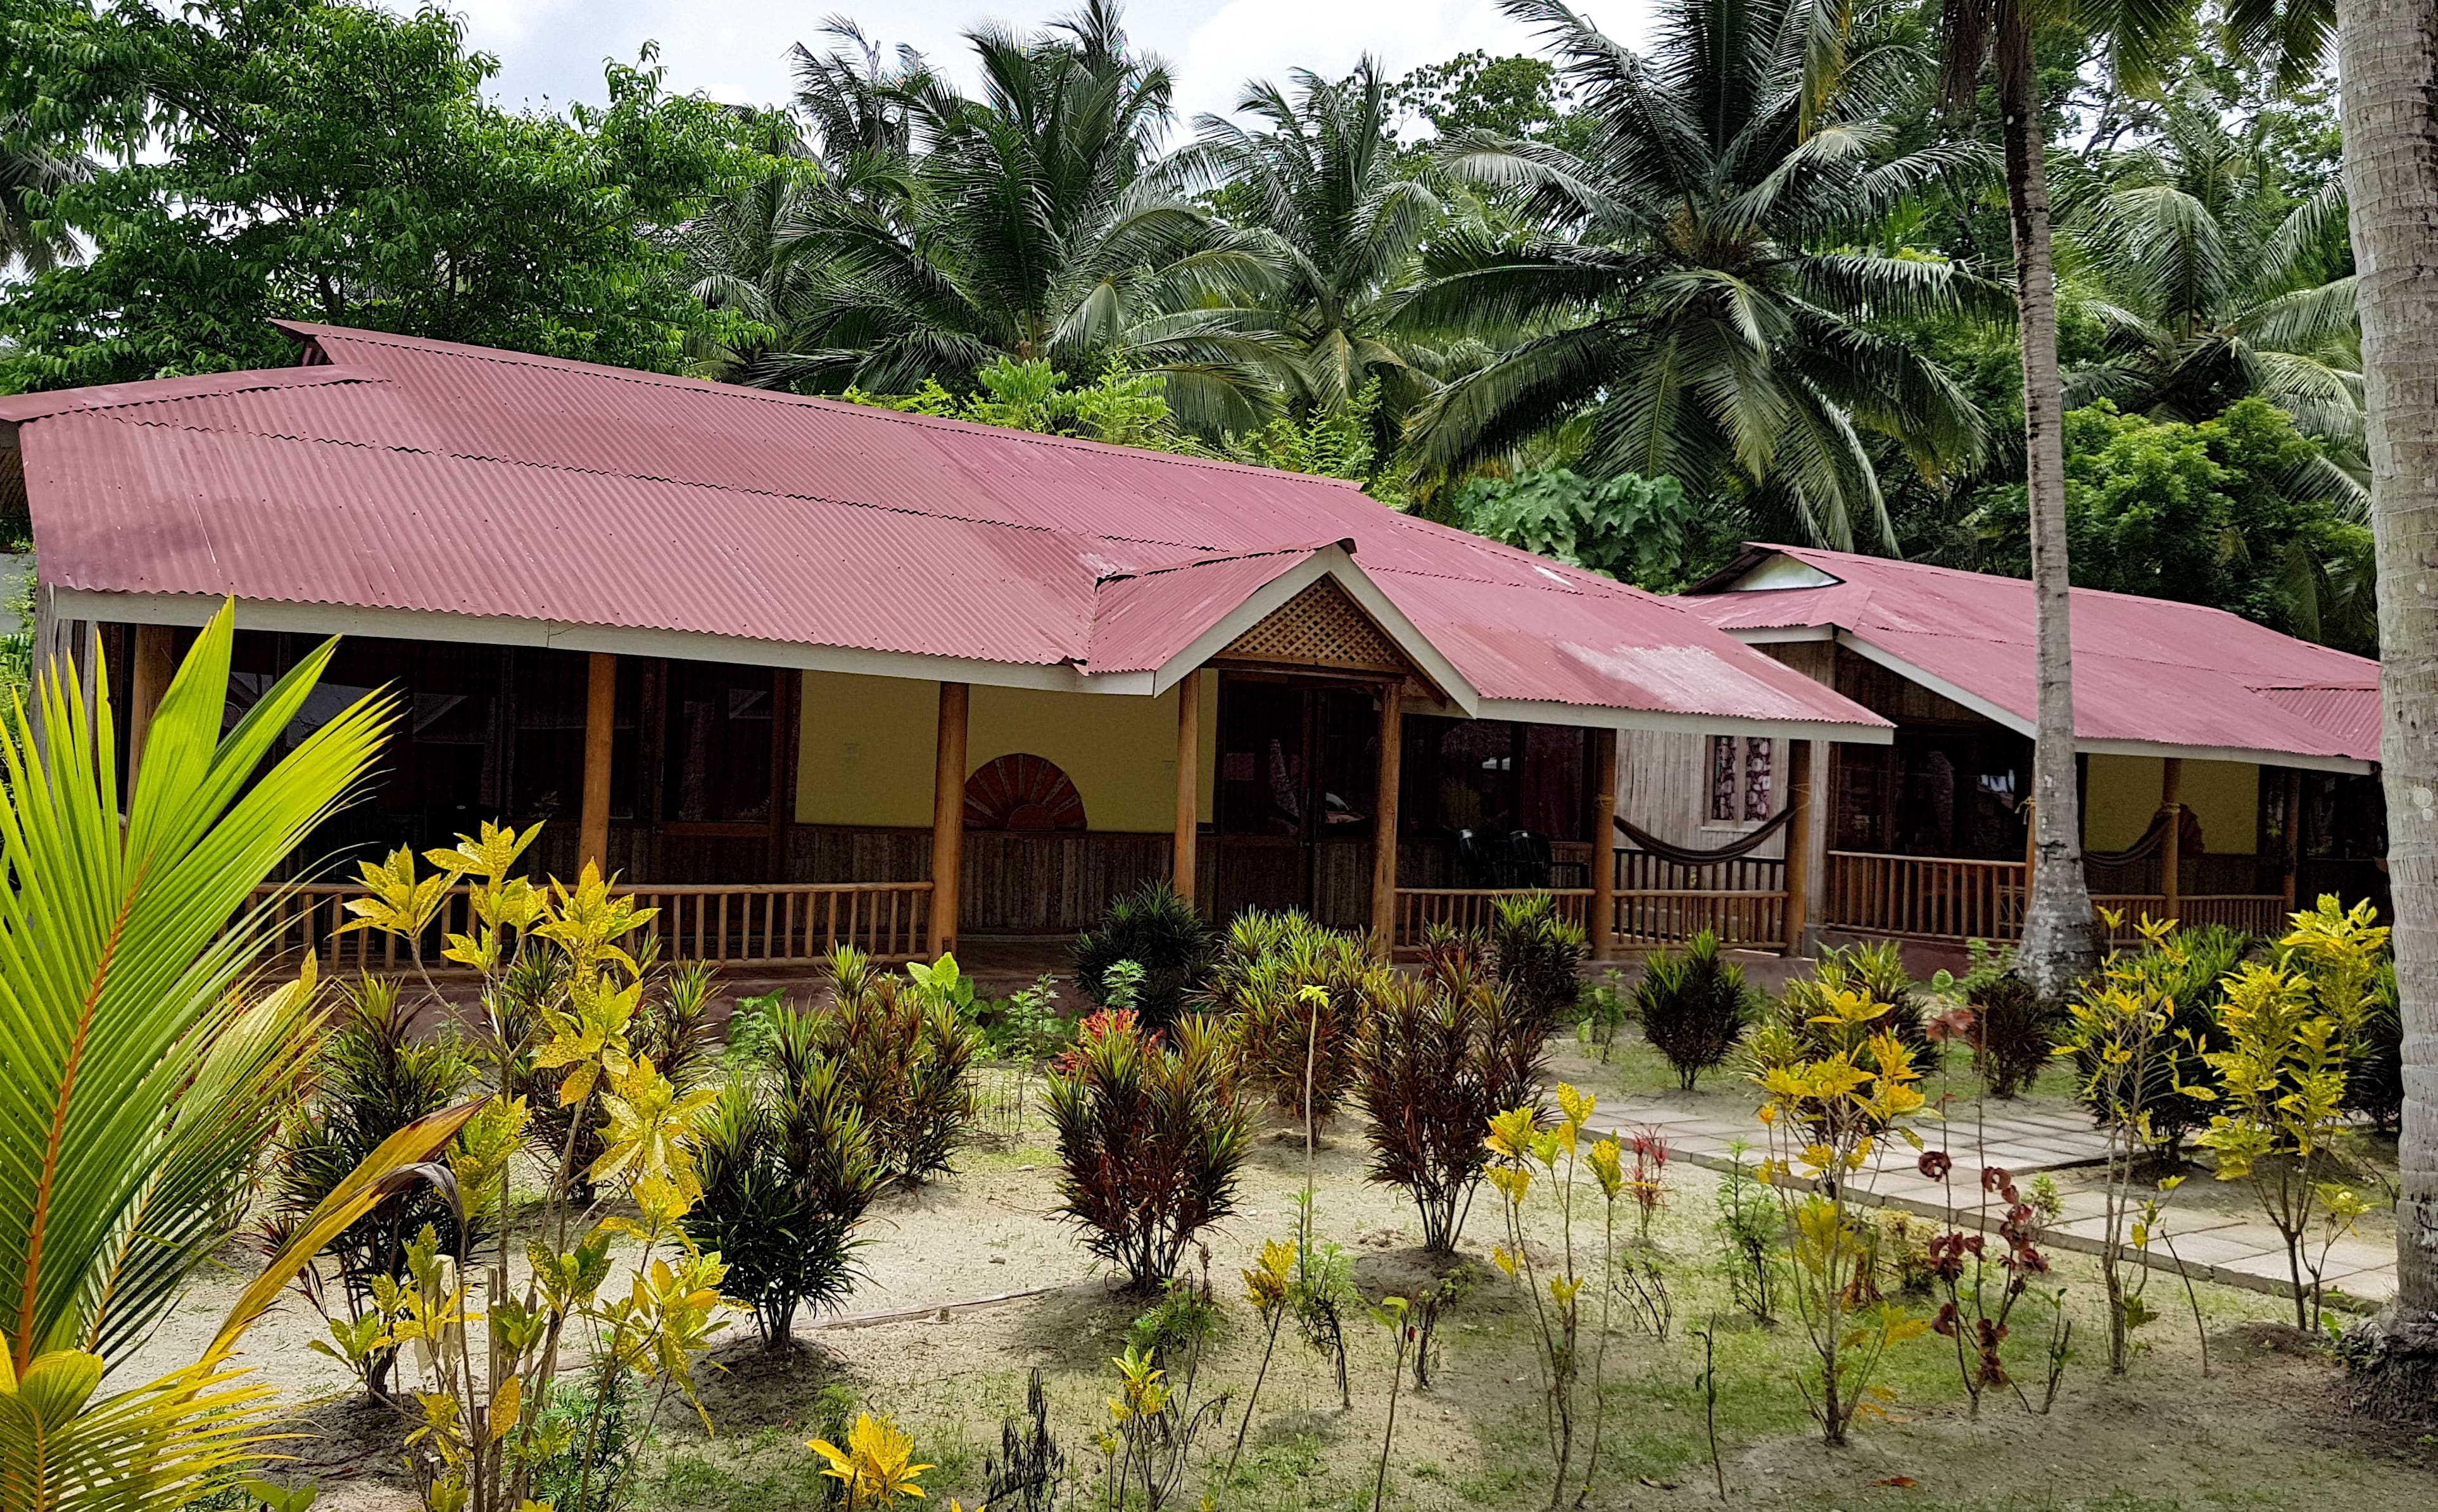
[1140, 622]
[421, 476]
[2145, 669]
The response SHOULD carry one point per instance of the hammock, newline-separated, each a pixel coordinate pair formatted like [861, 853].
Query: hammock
[1685, 856]
[2154, 839]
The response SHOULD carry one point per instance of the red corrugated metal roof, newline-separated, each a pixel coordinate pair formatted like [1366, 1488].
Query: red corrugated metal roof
[424, 477]
[2145, 670]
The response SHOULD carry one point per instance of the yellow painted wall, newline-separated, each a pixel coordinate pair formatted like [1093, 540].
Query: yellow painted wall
[2124, 791]
[868, 745]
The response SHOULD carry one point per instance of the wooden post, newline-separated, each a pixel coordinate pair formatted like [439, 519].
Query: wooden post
[600, 721]
[2171, 851]
[1188, 782]
[1798, 844]
[1603, 919]
[948, 817]
[1383, 818]
[2294, 846]
[153, 664]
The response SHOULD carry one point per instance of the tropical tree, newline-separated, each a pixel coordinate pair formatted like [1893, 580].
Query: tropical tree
[1331, 206]
[2387, 53]
[2216, 285]
[30, 173]
[1697, 305]
[143, 1073]
[1025, 227]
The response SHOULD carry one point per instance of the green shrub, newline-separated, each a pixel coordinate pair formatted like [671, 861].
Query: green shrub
[1601, 1012]
[372, 1077]
[2375, 1088]
[1539, 958]
[2010, 1029]
[1694, 1006]
[787, 1172]
[903, 1055]
[1440, 1053]
[1877, 970]
[1291, 994]
[1151, 1136]
[2184, 969]
[1025, 1025]
[1159, 930]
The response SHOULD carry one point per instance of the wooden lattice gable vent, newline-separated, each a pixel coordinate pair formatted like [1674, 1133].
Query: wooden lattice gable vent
[1321, 626]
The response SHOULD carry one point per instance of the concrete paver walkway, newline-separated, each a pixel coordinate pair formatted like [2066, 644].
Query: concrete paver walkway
[2230, 1247]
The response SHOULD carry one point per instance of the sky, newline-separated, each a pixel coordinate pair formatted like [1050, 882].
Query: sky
[551, 51]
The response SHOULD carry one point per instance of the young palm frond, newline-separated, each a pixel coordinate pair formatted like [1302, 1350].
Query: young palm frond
[140, 1082]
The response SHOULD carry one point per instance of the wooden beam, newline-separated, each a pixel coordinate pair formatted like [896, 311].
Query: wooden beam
[2294, 846]
[600, 722]
[948, 816]
[2171, 852]
[155, 662]
[1602, 930]
[1383, 818]
[1798, 844]
[1188, 782]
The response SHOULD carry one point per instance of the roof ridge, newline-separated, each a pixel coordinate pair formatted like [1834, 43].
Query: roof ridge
[104, 397]
[688, 382]
[1305, 549]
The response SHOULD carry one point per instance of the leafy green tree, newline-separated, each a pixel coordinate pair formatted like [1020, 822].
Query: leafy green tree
[325, 160]
[2214, 282]
[1642, 530]
[1517, 95]
[1698, 301]
[2202, 513]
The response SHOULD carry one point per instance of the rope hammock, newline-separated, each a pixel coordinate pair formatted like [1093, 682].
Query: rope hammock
[2153, 840]
[1685, 856]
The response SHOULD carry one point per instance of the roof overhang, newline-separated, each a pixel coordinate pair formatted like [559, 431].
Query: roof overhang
[1300, 570]
[2000, 714]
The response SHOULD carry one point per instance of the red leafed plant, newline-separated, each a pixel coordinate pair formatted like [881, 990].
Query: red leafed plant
[1979, 1306]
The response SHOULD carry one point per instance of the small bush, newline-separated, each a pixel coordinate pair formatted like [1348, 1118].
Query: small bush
[2184, 969]
[1601, 1012]
[372, 1078]
[2012, 1031]
[2374, 1084]
[1439, 1055]
[903, 1055]
[787, 1172]
[1694, 1006]
[1292, 994]
[1159, 930]
[1151, 1135]
[1539, 958]
[1026, 1025]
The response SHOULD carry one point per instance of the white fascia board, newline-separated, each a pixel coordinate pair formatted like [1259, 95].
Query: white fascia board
[1993, 712]
[1587, 716]
[504, 630]
[1334, 562]
[1784, 634]
[2348, 765]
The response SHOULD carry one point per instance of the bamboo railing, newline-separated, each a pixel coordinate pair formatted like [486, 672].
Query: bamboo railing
[745, 924]
[1923, 897]
[1661, 902]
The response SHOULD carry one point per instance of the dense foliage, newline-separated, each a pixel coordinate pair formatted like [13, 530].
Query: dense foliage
[1622, 306]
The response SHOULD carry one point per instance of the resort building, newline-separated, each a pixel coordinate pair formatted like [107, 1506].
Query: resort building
[2225, 770]
[805, 672]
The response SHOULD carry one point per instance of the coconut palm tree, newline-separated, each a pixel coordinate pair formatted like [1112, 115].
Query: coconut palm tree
[2387, 53]
[1024, 227]
[2214, 285]
[1319, 183]
[1697, 305]
[28, 168]
[142, 1077]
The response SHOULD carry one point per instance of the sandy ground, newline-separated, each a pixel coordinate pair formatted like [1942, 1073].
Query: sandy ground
[2266, 1428]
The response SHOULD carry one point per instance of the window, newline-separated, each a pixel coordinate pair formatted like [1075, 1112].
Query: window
[718, 744]
[1494, 776]
[1739, 779]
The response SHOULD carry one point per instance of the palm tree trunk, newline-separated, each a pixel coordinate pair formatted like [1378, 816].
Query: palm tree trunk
[2387, 62]
[2058, 947]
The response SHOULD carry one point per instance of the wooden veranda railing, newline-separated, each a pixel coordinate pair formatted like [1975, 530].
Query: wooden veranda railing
[747, 925]
[1922, 897]
[1660, 902]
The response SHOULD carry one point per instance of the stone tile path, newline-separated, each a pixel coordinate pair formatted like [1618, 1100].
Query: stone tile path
[2231, 1248]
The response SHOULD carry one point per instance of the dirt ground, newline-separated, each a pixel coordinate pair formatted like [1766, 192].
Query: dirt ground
[2266, 1428]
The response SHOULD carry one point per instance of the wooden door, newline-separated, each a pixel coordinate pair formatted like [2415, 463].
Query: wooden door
[1292, 799]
